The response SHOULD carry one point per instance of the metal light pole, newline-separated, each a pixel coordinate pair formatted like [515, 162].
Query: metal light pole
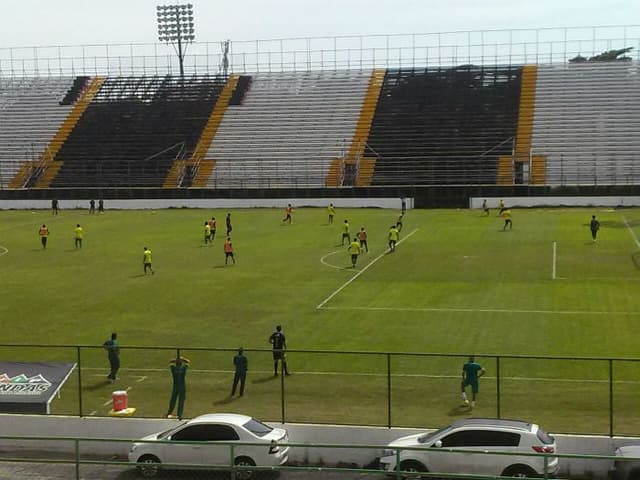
[175, 25]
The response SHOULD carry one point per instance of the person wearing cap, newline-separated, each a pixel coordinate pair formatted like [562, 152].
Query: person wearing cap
[241, 364]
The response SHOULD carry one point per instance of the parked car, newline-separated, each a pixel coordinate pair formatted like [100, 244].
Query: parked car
[209, 436]
[626, 469]
[486, 435]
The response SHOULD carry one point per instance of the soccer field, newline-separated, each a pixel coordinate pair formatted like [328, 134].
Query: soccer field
[457, 285]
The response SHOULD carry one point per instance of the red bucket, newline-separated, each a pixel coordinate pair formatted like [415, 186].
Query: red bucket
[120, 400]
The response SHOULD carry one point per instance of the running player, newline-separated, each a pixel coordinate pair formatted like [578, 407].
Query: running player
[287, 214]
[506, 214]
[394, 235]
[485, 208]
[362, 236]
[345, 233]
[354, 250]
[228, 251]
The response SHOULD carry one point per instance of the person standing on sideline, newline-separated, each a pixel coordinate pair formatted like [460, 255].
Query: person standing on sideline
[101, 206]
[594, 226]
[113, 354]
[212, 226]
[332, 213]
[146, 261]
[399, 222]
[54, 206]
[44, 234]
[228, 251]
[279, 343]
[362, 236]
[92, 206]
[403, 205]
[354, 250]
[506, 214]
[287, 214]
[207, 233]
[394, 235]
[485, 208]
[178, 367]
[345, 233]
[79, 233]
[471, 373]
[241, 364]
[229, 228]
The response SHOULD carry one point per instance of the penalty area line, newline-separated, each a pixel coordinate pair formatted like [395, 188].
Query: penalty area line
[633, 234]
[483, 310]
[346, 284]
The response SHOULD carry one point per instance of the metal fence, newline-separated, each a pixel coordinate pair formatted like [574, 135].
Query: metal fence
[347, 52]
[567, 394]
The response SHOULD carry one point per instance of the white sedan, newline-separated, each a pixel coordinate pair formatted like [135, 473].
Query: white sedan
[209, 440]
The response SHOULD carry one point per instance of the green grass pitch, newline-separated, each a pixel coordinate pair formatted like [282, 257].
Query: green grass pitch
[456, 285]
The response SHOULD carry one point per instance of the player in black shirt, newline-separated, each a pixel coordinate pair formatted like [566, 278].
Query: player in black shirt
[594, 226]
[279, 342]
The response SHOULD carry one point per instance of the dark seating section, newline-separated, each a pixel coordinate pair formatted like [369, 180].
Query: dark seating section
[74, 93]
[244, 82]
[135, 128]
[445, 125]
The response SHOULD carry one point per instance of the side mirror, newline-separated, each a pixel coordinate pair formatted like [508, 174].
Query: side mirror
[438, 444]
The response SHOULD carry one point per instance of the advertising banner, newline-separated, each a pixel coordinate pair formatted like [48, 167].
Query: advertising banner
[27, 387]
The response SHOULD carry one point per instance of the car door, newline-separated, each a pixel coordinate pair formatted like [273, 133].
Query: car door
[216, 453]
[188, 454]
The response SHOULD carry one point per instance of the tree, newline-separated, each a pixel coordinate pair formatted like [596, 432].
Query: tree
[608, 56]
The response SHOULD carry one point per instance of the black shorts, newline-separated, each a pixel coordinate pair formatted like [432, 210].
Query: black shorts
[228, 254]
[278, 355]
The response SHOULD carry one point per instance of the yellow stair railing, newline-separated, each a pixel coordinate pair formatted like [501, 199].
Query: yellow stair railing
[203, 168]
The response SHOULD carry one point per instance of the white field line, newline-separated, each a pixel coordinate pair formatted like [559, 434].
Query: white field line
[345, 284]
[482, 310]
[555, 257]
[394, 375]
[322, 260]
[3, 250]
[633, 234]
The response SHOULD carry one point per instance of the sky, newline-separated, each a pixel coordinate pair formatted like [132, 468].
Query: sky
[67, 22]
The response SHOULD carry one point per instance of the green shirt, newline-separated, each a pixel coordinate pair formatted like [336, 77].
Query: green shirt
[471, 370]
[179, 374]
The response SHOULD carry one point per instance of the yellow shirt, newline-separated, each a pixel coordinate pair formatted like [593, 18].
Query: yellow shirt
[207, 230]
[393, 234]
[79, 233]
[354, 248]
[506, 214]
[345, 228]
[332, 210]
[147, 256]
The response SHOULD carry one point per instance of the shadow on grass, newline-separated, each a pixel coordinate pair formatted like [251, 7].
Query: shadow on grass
[139, 275]
[225, 401]
[265, 379]
[459, 410]
[96, 386]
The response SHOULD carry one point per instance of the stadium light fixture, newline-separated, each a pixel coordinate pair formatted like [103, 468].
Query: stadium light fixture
[175, 26]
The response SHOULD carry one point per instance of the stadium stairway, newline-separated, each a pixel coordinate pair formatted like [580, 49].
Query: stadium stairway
[288, 130]
[30, 114]
[50, 164]
[200, 169]
[587, 123]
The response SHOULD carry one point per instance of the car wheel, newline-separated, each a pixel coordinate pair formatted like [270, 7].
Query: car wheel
[519, 471]
[148, 466]
[245, 474]
[413, 466]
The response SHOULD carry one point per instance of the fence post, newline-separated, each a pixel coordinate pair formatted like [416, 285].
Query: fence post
[610, 397]
[498, 387]
[282, 414]
[76, 444]
[78, 362]
[388, 390]
[233, 463]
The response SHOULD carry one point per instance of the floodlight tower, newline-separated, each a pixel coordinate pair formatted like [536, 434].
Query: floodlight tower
[175, 25]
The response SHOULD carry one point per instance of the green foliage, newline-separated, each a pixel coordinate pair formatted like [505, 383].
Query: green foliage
[608, 56]
[456, 285]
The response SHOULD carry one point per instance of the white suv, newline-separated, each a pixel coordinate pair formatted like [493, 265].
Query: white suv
[481, 434]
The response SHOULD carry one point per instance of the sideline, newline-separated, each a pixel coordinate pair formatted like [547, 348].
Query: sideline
[344, 285]
[633, 234]
[484, 310]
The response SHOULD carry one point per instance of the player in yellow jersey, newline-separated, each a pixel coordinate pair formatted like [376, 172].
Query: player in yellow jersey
[146, 261]
[345, 233]
[506, 214]
[207, 232]
[79, 233]
[354, 250]
[394, 235]
[332, 212]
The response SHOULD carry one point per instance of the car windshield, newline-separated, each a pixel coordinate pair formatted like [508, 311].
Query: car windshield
[166, 433]
[257, 428]
[427, 437]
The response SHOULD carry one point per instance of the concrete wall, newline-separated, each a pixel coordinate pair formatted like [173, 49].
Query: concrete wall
[604, 201]
[211, 203]
[133, 428]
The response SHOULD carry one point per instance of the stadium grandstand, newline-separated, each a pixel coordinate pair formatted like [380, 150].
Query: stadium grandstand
[523, 118]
